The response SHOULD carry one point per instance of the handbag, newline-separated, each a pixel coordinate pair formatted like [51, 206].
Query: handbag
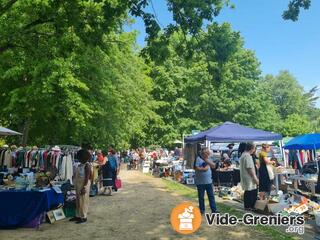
[270, 171]
[118, 183]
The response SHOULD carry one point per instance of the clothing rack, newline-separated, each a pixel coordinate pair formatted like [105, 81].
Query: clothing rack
[59, 163]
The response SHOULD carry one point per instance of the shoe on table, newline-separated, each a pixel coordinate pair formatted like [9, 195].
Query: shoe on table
[74, 219]
[81, 220]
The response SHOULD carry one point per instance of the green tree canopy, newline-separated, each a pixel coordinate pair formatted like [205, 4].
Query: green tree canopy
[291, 102]
[66, 65]
[218, 81]
[296, 124]
[294, 7]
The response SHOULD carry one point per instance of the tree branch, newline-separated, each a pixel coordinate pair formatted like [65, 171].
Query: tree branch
[7, 7]
[35, 23]
[25, 29]
[6, 47]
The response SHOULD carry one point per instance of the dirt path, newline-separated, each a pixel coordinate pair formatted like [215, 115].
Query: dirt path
[140, 210]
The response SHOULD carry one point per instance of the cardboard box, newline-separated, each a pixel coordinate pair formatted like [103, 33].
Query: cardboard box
[302, 209]
[261, 204]
[276, 207]
[283, 187]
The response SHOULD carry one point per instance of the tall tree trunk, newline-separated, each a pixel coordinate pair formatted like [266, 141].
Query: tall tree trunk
[25, 132]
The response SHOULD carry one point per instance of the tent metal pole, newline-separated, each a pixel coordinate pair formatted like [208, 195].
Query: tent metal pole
[283, 153]
[182, 140]
[315, 158]
[207, 143]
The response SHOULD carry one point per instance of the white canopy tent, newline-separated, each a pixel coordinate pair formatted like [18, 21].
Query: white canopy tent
[8, 132]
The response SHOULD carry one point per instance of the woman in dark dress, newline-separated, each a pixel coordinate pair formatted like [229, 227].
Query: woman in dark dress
[265, 181]
[107, 174]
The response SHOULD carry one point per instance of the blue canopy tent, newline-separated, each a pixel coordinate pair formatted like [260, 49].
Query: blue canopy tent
[229, 132]
[304, 142]
[309, 141]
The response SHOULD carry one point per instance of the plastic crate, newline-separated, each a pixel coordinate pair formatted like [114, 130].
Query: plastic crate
[69, 211]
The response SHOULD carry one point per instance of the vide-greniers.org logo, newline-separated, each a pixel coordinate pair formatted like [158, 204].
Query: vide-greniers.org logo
[295, 223]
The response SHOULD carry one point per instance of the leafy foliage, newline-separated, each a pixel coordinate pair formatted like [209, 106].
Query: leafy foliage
[293, 11]
[295, 107]
[69, 74]
[68, 77]
[296, 124]
[217, 81]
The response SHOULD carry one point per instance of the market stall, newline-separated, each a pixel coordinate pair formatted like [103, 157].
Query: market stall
[309, 143]
[34, 181]
[293, 200]
[227, 132]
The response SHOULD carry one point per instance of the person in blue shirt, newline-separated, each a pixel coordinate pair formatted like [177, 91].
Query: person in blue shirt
[203, 180]
[114, 164]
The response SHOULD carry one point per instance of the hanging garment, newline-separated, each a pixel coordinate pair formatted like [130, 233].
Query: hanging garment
[33, 158]
[40, 164]
[301, 157]
[292, 156]
[27, 160]
[2, 152]
[20, 158]
[69, 168]
[13, 158]
[62, 169]
[7, 158]
[305, 156]
[299, 160]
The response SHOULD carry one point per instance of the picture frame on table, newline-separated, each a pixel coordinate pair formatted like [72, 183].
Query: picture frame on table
[58, 214]
[51, 217]
[190, 181]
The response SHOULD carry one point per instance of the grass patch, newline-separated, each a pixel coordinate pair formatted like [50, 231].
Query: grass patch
[269, 232]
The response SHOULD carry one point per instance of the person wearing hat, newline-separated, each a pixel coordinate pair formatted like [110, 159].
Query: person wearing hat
[230, 147]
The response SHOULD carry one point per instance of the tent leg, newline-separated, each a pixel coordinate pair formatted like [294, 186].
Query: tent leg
[283, 153]
[315, 158]
[182, 140]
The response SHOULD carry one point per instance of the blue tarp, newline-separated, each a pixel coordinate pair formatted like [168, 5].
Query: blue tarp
[304, 142]
[233, 132]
